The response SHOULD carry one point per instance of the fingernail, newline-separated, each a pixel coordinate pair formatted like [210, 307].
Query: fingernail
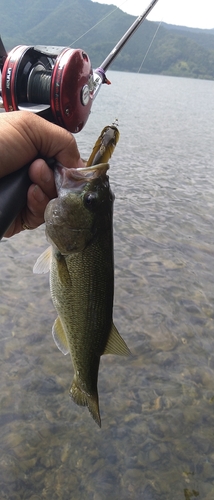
[46, 175]
[38, 194]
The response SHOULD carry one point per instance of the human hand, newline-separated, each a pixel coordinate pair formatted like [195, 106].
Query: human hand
[23, 136]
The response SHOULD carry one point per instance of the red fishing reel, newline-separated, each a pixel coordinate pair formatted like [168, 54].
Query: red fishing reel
[54, 82]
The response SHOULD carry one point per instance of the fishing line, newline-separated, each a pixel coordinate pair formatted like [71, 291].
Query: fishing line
[150, 46]
[100, 21]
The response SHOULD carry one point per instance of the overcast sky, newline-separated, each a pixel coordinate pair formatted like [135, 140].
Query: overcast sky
[192, 13]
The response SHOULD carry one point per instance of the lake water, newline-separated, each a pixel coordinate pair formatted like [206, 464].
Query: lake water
[157, 407]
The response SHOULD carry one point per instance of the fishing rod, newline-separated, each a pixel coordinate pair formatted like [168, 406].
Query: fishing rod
[57, 83]
[114, 52]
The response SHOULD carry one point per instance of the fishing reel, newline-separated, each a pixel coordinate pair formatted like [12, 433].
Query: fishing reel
[54, 82]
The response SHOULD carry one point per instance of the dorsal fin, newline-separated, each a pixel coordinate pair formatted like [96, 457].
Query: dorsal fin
[115, 344]
[42, 265]
[59, 336]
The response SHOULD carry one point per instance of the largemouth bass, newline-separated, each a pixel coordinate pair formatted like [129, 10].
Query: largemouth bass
[79, 227]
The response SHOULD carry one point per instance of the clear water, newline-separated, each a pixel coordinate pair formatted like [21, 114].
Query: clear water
[157, 407]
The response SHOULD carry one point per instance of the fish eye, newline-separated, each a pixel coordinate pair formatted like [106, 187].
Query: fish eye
[90, 200]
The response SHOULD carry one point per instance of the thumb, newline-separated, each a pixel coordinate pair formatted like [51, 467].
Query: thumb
[54, 141]
[25, 135]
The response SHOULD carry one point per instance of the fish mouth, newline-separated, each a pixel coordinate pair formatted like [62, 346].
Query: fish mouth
[91, 172]
[74, 178]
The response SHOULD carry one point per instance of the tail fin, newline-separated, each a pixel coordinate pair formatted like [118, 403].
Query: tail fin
[82, 398]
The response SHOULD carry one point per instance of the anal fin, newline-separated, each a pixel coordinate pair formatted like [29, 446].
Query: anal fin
[116, 344]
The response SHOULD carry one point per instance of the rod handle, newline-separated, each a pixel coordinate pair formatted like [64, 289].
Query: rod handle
[13, 194]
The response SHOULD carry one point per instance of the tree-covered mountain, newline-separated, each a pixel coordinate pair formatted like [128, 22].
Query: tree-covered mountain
[175, 50]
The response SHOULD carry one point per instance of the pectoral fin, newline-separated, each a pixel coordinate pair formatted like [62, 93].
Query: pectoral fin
[115, 344]
[60, 337]
[43, 262]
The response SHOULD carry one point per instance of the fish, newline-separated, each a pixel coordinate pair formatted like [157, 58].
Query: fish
[79, 226]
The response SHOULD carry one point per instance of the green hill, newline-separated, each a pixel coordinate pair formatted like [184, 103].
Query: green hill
[176, 50]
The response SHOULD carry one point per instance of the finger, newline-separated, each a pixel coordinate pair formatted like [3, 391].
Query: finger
[54, 141]
[51, 140]
[41, 175]
[37, 200]
[32, 215]
[25, 135]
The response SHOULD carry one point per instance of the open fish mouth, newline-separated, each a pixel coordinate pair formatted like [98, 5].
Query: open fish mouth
[73, 178]
[100, 168]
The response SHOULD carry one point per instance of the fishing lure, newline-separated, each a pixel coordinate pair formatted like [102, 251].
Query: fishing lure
[105, 144]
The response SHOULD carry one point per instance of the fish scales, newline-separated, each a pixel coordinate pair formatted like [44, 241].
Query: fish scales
[86, 280]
